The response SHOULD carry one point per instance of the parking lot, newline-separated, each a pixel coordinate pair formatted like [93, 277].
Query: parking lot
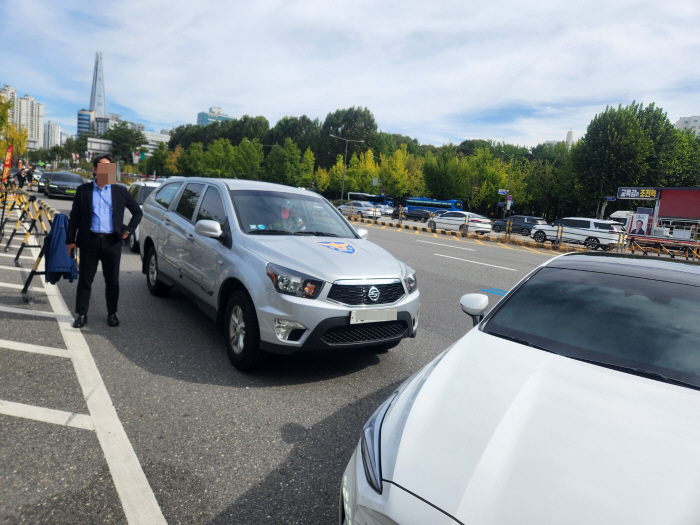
[149, 421]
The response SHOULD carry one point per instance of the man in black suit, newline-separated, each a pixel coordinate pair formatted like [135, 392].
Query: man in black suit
[639, 230]
[96, 227]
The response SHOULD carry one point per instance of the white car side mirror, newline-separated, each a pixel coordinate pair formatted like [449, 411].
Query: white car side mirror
[362, 232]
[475, 306]
[207, 228]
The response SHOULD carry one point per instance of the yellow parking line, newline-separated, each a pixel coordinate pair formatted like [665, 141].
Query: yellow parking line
[479, 242]
[501, 245]
[533, 250]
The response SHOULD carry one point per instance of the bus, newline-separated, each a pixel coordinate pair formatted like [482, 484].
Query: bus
[368, 197]
[424, 203]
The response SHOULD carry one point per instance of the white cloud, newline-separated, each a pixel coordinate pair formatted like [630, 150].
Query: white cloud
[520, 72]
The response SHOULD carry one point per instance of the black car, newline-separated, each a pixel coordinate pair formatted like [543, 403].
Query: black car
[415, 215]
[62, 184]
[41, 184]
[520, 224]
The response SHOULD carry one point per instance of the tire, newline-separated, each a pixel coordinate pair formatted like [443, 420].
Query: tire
[133, 245]
[423, 220]
[359, 214]
[156, 287]
[432, 225]
[592, 243]
[463, 228]
[540, 237]
[525, 232]
[496, 229]
[242, 334]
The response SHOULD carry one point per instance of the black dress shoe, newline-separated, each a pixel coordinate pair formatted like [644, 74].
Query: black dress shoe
[80, 321]
[112, 320]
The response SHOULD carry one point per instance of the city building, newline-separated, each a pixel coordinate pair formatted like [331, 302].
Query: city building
[153, 140]
[166, 132]
[66, 136]
[692, 123]
[569, 139]
[136, 127]
[52, 135]
[86, 121]
[214, 115]
[98, 103]
[26, 113]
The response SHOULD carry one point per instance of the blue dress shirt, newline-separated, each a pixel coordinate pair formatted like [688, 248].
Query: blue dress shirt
[102, 221]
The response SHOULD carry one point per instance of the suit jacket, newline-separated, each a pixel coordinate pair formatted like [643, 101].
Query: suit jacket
[81, 213]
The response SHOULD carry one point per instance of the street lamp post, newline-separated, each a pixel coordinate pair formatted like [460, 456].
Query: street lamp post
[510, 176]
[345, 162]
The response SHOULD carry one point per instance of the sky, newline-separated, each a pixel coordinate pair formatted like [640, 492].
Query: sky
[440, 72]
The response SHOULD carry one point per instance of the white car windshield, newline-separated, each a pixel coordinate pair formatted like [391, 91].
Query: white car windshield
[636, 324]
[279, 213]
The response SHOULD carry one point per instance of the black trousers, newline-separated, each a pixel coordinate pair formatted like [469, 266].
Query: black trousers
[106, 249]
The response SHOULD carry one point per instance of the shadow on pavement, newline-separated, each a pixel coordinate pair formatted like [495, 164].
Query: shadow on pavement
[305, 487]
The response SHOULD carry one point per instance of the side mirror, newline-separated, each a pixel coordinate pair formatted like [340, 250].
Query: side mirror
[362, 232]
[208, 229]
[474, 305]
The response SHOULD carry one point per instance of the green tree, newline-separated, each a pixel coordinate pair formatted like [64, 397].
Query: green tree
[191, 162]
[220, 159]
[321, 179]
[282, 164]
[614, 152]
[248, 159]
[124, 141]
[394, 173]
[304, 131]
[306, 170]
[355, 123]
[158, 159]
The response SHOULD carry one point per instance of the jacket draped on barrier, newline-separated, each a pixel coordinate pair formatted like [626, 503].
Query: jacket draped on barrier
[58, 262]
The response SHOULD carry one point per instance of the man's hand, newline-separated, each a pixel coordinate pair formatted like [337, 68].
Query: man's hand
[70, 248]
[126, 234]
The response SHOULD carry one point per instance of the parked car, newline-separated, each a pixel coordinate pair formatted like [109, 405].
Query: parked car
[281, 267]
[140, 190]
[519, 224]
[362, 209]
[41, 184]
[592, 233]
[551, 410]
[62, 184]
[413, 215]
[458, 221]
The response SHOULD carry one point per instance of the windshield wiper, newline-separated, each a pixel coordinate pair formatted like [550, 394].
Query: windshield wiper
[269, 232]
[521, 341]
[318, 234]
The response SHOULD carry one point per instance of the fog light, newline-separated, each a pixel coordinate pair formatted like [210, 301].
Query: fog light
[284, 327]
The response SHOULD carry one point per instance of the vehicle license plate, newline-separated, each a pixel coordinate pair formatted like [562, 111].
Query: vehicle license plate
[70, 191]
[373, 316]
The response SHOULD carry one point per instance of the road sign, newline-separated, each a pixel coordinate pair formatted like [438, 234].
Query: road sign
[510, 203]
[499, 204]
[502, 192]
[510, 198]
[375, 181]
[610, 199]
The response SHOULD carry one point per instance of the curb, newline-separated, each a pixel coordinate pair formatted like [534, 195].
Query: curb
[527, 244]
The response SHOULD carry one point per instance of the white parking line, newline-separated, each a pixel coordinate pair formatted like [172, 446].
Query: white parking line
[448, 245]
[47, 415]
[137, 498]
[36, 313]
[35, 349]
[476, 262]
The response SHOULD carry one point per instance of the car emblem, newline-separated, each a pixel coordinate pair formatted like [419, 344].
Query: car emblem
[373, 293]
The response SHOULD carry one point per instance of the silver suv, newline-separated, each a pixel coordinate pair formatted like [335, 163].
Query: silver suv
[280, 267]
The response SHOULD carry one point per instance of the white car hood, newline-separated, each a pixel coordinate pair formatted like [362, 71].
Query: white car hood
[501, 433]
[327, 258]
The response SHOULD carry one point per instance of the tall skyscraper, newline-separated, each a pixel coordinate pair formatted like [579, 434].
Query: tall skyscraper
[569, 138]
[86, 121]
[26, 113]
[98, 103]
[52, 135]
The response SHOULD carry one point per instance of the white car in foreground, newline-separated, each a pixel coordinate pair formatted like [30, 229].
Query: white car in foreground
[574, 401]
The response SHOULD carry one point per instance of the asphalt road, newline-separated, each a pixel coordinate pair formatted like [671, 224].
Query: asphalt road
[216, 445]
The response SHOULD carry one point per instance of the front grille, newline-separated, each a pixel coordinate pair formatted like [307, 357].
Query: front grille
[364, 333]
[355, 294]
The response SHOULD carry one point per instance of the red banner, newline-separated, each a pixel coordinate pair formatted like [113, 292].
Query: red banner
[7, 164]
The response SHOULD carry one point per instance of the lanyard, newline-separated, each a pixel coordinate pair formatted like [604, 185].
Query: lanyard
[99, 192]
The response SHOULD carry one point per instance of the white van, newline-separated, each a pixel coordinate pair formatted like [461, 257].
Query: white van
[592, 233]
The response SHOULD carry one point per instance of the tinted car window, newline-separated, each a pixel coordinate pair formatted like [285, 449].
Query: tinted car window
[280, 213]
[67, 177]
[449, 214]
[134, 190]
[212, 207]
[614, 319]
[166, 193]
[144, 193]
[606, 226]
[188, 200]
[578, 223]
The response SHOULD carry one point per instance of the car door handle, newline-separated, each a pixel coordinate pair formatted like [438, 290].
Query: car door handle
[167, 222]
[190, 236]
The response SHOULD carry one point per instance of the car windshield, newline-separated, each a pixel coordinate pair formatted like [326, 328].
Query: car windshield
[279, 213]
[67, 177]
[632, 323]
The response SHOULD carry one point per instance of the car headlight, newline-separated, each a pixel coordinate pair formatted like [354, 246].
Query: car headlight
[289, 282]
[410, 279]
[371, 444]
[52, 186]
